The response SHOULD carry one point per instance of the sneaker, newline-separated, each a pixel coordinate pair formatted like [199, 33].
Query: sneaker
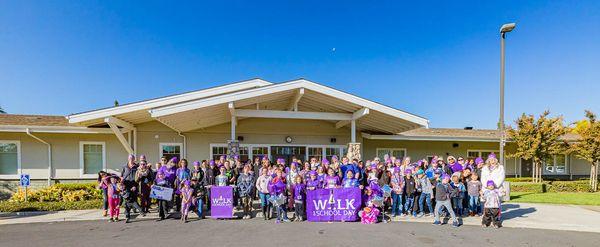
[420, 215]
[437, 223]
[286, 220]
[104, 213]
[127, 220]
[414, 215]
[455, 224]
[111, 220]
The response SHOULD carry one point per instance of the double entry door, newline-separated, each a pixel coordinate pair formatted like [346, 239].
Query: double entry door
[288, 152]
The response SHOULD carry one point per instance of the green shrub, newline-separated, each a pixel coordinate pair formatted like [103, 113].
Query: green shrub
[10, 206]
[521, 179]
[527, 187]
[60, 193]
[569, 186]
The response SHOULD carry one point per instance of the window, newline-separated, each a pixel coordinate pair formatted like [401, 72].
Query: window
[217, 151]
[399, 153]
[316, 152]
[92, 158]
[244, 154]
[260, 152]
[556, 164]
[472, 154]
[170, 150]
[10, 157]
[329, 152]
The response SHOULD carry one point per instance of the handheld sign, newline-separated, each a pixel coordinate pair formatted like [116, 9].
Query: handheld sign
[161, 193]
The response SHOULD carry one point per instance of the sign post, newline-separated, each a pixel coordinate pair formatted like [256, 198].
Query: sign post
[25, 182]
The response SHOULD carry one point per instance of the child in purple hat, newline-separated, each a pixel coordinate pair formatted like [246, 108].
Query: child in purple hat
[457, 189]
[186, 200]
[442, 198]
[491, 205]
[397, 184]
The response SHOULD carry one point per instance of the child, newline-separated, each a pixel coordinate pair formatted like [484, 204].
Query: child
[331, 180]
[456, 193]
[313, 183]
[163, 205]
[186, 200]
[426, 188]
[222, 179]
[397, 183]
[473, 190]
[113, 199]
[491, 204]
[369, 214]
[350, 181]
[277, 191]
[262, 186]
[199, 192]
[410, 189]
[442, 199]
[299, 189]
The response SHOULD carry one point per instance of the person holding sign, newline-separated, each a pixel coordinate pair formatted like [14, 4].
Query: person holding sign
[163, 205]
[277, 190]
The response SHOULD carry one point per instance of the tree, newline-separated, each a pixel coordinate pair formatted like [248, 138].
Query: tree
[538, 140]
[588, 145]
[2, 111]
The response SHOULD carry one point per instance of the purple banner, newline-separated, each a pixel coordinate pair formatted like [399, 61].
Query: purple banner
[221, 199]
[340, 204]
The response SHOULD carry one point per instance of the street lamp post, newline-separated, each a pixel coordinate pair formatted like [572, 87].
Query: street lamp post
[503, 30]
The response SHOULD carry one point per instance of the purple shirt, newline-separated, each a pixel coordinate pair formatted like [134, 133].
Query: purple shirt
[169, 173]
[456, 167]
[331, 182]
[299, 192]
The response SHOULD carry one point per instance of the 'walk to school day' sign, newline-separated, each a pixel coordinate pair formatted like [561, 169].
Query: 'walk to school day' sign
[340, 204]
[221, 198]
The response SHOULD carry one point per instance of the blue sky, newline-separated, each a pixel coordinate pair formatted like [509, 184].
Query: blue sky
[439, 60]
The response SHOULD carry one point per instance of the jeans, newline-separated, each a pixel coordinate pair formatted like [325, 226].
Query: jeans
[129, 204]
[474, 204]
[299, 210]
[408, 204]
[199, 205]
[425, 197]
[448, 206]
[282, 212]
[457, 205]
[264, 198]
[396, 204]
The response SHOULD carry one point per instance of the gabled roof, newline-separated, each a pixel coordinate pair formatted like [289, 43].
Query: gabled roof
[33, 120]
[212, 111]
[138, 111]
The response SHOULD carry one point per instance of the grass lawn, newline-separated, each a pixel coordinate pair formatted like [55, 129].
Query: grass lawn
[576, 198]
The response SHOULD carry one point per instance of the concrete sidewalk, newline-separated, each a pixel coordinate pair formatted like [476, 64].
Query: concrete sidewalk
[515, 215]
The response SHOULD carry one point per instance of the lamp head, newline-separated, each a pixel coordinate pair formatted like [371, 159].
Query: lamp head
[507, 27]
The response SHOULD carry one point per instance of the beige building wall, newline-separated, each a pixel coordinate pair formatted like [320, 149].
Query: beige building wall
[422, 149]
[66, 153]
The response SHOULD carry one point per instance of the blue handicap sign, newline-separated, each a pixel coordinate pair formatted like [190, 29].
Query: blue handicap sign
[25, 181]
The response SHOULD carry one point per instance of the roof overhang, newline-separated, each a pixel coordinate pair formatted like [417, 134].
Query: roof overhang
[54, 129]
[428, 138]
[138, 110]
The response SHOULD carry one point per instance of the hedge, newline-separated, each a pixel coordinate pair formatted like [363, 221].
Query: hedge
[528, 187]
[11, 206]
[60, 193]
[550, 186]
[569, 186]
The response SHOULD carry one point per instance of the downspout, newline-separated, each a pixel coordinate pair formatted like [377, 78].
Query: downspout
[49, 154]
[184, 144]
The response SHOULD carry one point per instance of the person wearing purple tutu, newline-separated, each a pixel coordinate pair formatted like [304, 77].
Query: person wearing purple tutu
[186, 199]
[277, 189]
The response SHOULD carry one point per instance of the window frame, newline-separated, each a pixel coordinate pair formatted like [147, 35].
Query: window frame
[554, 165]
[19, 168]
[162, 144]
[391, 152]
[479, 151]
[81, 159]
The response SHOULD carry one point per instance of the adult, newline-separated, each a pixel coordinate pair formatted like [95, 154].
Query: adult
[348, 166]
[130, 193]
[455, 166]
[144, 178]
[492, 170]
[262, 186]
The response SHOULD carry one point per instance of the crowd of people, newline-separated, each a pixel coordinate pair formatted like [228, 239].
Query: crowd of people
[438, 188]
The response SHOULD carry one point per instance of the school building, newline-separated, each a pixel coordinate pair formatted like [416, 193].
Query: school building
[254, 117]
